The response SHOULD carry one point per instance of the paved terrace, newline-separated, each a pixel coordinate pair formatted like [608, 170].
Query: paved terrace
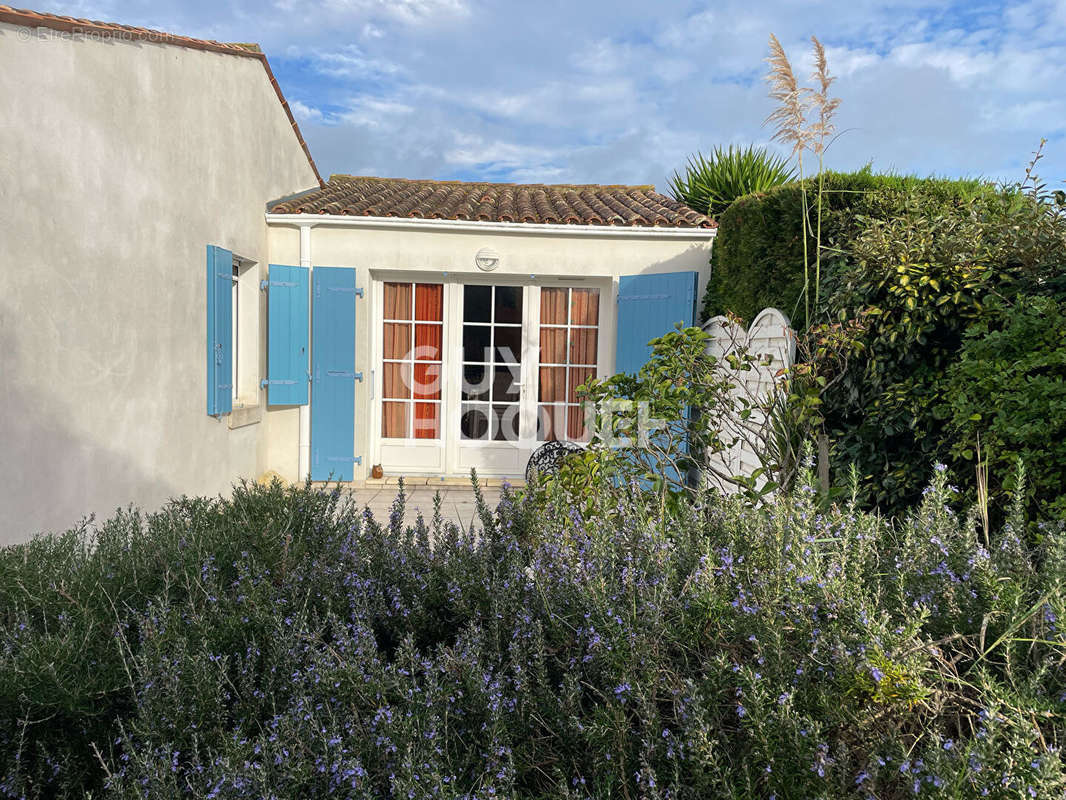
[457, 497]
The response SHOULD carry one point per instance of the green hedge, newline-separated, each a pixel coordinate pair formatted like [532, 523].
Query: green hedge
[931, 285]
[925, 262]
[757, 260]
[1008, 387]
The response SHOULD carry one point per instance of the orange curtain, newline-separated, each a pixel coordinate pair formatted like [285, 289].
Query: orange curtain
[553, 306]
[427, 420]
[397, 340]
[586, 307]
[426, 384]
[419, 374]
[583, 346]
[575, 347]
[428, 342]
[552, 384]
[397, 381]
[397, 301]
[394, 420]
[429, 302]
[553, 345]
[575, 427]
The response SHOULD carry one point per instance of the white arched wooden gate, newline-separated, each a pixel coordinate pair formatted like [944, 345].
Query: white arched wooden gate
[771, 343]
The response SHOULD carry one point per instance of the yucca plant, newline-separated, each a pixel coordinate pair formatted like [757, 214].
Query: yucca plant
[709, 185]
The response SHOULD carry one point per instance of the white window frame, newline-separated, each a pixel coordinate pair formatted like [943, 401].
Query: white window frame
[244, 296]
[410, 362]
[235, 303]
[440, 456]
[568, 326]
[490, 366]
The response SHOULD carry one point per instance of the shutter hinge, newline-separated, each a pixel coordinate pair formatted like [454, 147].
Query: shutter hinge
[267, 284]
[336, 373]
[265, 382]
[345, 459]
[356, 291]
[642, 297]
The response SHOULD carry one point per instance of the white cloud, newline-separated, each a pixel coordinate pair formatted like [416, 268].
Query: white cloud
[470, 150]
[844, 61]
[695, 29]
[373, 112]
[411, 12]
[623, 91]
[351, 62]
[305, 113]
[963, 66]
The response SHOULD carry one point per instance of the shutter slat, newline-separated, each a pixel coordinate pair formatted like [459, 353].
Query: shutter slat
[219, 330]
[333, 374]
[288, 307]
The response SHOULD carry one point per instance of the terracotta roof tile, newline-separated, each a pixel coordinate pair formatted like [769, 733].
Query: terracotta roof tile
[625, 206]
[111, 30]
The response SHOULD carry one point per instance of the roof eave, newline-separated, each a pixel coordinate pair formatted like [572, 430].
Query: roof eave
[481, 226]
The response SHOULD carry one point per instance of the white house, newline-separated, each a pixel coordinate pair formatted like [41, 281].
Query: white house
[168, 239]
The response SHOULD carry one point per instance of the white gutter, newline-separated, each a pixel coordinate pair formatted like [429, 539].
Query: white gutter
[305, 409]
[474, 226]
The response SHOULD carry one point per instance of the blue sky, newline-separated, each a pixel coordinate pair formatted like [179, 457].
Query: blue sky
[613, 91]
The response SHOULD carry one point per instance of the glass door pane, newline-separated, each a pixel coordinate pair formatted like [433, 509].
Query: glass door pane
[412, 336]
[492, 363]
[569, 347]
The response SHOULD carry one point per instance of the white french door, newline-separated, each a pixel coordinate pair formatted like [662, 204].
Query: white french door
[412, 346]
[476, 374]
[494, 386]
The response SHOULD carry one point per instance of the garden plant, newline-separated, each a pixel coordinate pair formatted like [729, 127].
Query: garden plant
[710, 184]
[283, 643]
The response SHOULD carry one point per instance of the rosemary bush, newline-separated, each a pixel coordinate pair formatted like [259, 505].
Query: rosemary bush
[282, 643]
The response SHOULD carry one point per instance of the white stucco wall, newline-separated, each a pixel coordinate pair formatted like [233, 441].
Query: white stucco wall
[428, 251]
[120, 161]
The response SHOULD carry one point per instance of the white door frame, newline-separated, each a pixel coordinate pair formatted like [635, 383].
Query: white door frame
[444, 456]
[510, 456]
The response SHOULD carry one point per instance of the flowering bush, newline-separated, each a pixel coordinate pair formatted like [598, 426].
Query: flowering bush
[283, 643]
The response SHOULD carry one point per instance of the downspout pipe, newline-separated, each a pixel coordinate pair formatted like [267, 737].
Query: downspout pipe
[305, 410]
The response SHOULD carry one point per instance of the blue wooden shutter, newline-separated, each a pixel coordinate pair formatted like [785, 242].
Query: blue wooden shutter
[648, 307]
[219, 330]
[333, 374]
[288, 309]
